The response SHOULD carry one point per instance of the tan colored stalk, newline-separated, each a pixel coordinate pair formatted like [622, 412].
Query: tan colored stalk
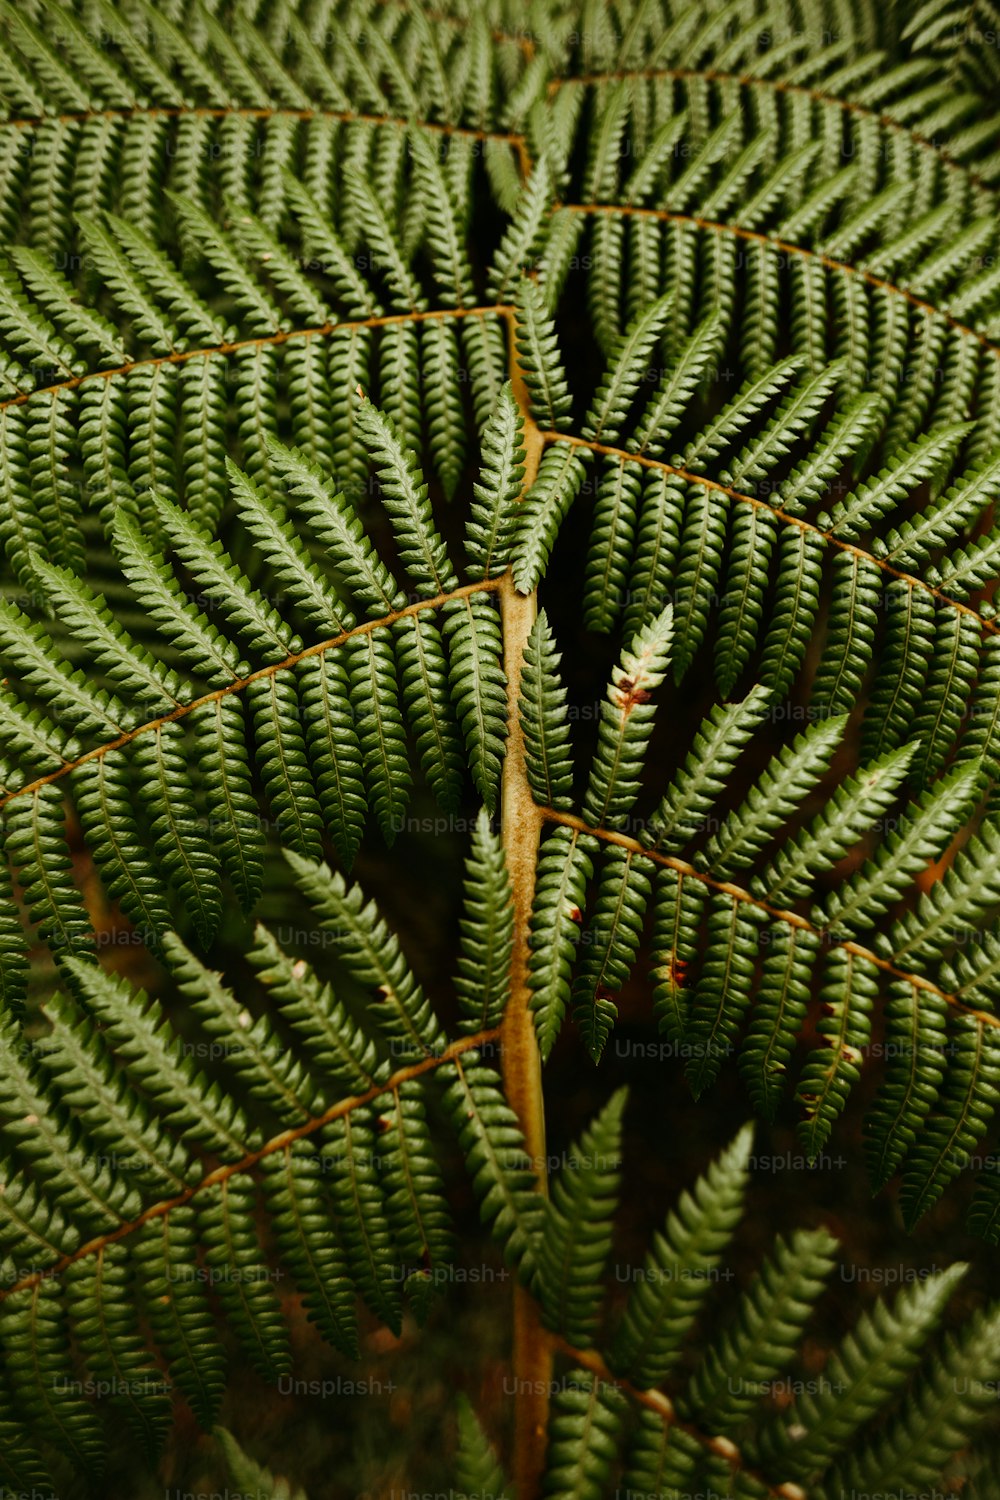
[521, 825]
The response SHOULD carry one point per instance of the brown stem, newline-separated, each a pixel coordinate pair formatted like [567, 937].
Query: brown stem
[367, 627]
[246, 1163]
[521, 825]
[660, 1403]
[785, 247]
[256, 112]
[777, 913]
[782, 86]
[263, 341]
[912, 580]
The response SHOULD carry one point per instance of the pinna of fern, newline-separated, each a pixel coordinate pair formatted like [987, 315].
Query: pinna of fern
[162, 375]
[821, 214]
[769, 937]
[119, 1066]
[314, 697]
[885, 1410]
[744, 497]
[138, 1164]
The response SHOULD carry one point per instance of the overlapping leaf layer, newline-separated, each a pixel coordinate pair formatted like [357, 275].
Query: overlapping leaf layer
[334, 338]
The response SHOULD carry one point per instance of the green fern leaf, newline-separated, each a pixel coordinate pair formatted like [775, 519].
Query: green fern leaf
[371, 953]
[626, 724]
[916, 1044]
[724, 986]
[585, 1426]
[503, 1176]
[852, 810]
[870, 1365]
[486, 932]
[32, 1328]
[614, 928]
[177, 1307]
[779, 1010]
[561, 474]
[774, 797]
[625, 370]
[848, 993]
[226, 1227]
[251, 1477]
[543, 718]
[155, 1059]
[404, 495]
[577, 1233]
[959, 1118]
[564, 867]
[674, 1278]
[416, 1207]
[919, 837]
[333, 1041]
[764, 1332]
[701, 779]
[478, 687]
[477, 1472]
[490, 524]
[541, 361]
[105, 1324]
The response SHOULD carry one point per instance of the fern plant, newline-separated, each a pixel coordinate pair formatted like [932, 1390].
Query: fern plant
[572, 430]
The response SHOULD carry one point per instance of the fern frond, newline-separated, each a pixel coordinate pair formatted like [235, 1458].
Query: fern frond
[677, 909]
[105, 1322]
[503, 1175]
[870, 1365]
[476, 676]
[487, 932]
[675, 1276]
[614, 929]
[958, 1119]
[780, 1007]
[543, 716]
[338, 528]
[404, 495]
[561, 475]
[700, 780]
[724, 987]
[491, 515]
[539, 354]
[476, 1468]
[337, 1047]
[584, 1431]
[776, 794]
[665, 408]
[626, 723]
[564, 867]
[854, 808]
[848, 991]
[943, 1402]
[516, 248]
[178, 1309]
[577, 1232]
[764, 1332]
[625, 370]
[916, 1042]
[370, 952]
[920, 836]
[155, 1059]
[612, 537]
[226, 1228]
[32, 1327]
[253, 1477]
